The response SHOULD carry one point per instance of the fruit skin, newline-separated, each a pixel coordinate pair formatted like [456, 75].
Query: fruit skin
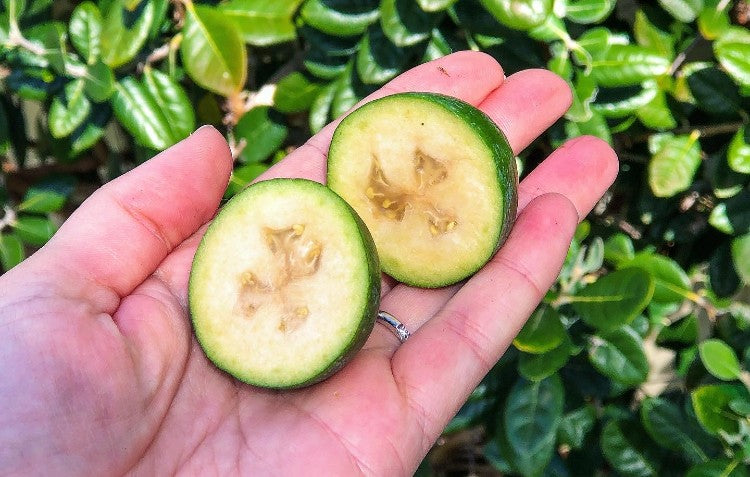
[494, 139]
[369, 314]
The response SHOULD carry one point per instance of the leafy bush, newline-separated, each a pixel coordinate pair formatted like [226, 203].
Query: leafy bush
[637, 360]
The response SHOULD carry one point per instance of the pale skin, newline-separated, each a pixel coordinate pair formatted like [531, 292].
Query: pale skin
[101, 375]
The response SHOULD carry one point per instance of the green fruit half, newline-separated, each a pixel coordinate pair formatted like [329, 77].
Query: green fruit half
[285, 284]
[433, 178]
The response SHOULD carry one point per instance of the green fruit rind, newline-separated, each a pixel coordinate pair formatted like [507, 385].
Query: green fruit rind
[368, 281]
[505, 179]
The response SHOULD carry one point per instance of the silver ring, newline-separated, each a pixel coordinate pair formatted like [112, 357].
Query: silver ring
[398, 328]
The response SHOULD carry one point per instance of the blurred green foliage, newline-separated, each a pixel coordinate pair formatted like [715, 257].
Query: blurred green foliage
[638, 359]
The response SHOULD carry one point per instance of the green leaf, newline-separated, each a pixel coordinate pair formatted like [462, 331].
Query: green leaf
[434, 5]
[321, 107]
[244, 175]
[683, 10]
[619, 355]
[671, 282]
[738, 154]
[519, 14]
[538, 366]
[327, 55]
[733, 215]
[674, 162]
[712, 20]
[212, 51]
[542, 332]
[437, 47]
[124, 32]
[85, 29]
[719, 359]
[719, 468]
[11, 250]
[41, 201]
[684, 331]
[340, 17]
[295, 93]
[532, 415]
[404, 22]
[86, 135]
[378, 60]
[263, 22]
[626, 451]
[575, 425]
[69, 110]
[145, 110]
[596, 126]
[173, 102]
[263, 132]
[34, 230]
[99, 82]
[5, 142]
[656, 114]
[589, 11]
[711, 405]
[615, 299]
[668, 426]
[713, 90]
[618, 249]
[732, 49]
[52, 37]
[628, 65]
[741, 256]
[623, 102]
[648, 35]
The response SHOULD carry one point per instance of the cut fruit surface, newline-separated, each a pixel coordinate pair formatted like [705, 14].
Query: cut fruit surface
[433, 178]
[285, 284]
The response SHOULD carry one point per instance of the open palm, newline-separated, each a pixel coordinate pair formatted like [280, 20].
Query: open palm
[100, 373]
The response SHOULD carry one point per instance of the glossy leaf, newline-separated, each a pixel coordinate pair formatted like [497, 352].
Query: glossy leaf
[538, 366]
[340, 17]
[295, 93]
[51, 37]
[671, 282]
[589, 11]
[575, 426]
[85, 29]
[155, 111]
[619, 355]
[626, 450]
[741, 256]
[263, 133]
[11, 250]
[243, 176]
[434, 5]
[614, 299]
[738, 154]
[124, 32]
[627, 65]
[99, 82]
[670, 428]
[656, 114]
[212, 51]
[378, 60]
[684, 331]
[69, 110]
[404, 22]
[41, 201]
[712, 20]
[732, 50]
[519, 14]
[321, 107]
[674, 162]
[683, 10]
[719, 468]
[732, 216]
[263, 22]
[34, 230]
[711, 405]
[713, 90]
[618, 249]
[719, 359]
[542, 332]
[649, 35]
[531, 417]
[624, 102]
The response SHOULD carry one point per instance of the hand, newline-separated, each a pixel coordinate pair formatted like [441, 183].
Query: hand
[101, 375]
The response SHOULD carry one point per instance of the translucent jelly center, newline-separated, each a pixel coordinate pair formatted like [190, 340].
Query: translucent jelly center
[296, 256]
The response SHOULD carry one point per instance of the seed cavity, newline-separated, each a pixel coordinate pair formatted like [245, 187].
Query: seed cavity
[392, 201]
[296, 256]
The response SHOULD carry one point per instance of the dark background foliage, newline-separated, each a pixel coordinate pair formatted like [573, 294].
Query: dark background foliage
[637, 361]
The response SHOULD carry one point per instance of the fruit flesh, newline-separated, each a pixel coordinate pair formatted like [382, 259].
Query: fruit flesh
[433, 179]
[283, 285]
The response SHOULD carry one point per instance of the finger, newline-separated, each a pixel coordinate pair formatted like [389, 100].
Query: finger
[586, 160]
[467, 75]
[439, 366]
[120, 234]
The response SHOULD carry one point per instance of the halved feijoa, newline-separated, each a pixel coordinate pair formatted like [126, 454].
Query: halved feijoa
[433, 178]
[285, 284]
